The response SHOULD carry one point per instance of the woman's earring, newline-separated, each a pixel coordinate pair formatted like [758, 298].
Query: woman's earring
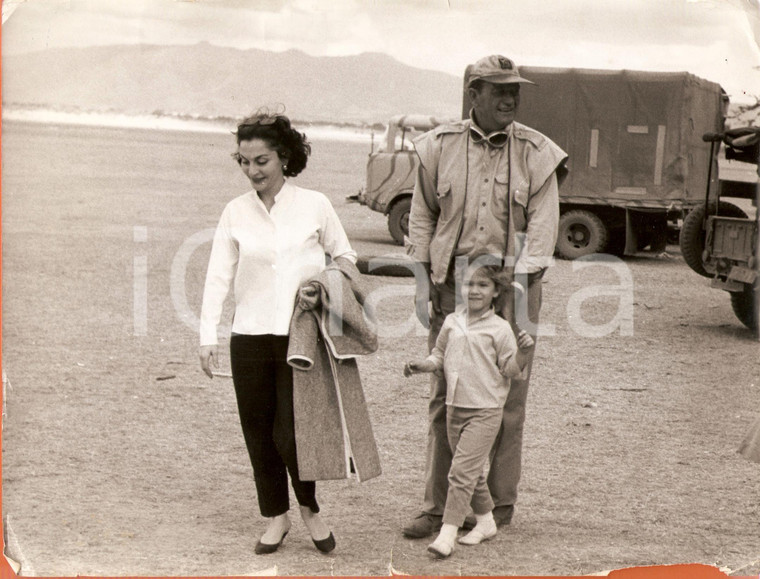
[285, 167]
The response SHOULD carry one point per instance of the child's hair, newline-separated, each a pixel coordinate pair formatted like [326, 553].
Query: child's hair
[496, 274]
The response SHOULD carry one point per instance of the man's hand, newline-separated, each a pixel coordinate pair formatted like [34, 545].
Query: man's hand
[423, 297]
[435, 299]
[207, 354]
[425, 293]
[418, 367]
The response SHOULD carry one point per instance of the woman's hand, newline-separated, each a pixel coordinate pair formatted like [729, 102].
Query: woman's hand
[207, 354]
[418, 367]
[309, 297]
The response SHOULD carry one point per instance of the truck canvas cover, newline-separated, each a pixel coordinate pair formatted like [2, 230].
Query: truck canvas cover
[634, 138]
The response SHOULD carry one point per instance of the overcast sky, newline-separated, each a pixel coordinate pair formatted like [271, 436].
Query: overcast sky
[714, 39]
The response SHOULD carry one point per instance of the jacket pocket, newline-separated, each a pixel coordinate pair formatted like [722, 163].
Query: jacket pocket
[499, 199]
[520, 196]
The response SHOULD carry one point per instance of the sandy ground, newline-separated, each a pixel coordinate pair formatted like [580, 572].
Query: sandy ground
[121, 458]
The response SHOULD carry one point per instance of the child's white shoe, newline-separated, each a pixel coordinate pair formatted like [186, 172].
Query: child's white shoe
[440, 548]
[482, 531]
[443, 545]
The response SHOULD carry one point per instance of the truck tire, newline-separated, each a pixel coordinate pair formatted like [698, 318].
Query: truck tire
[398, 219]
[692, 238]
[581, 233]
[746, 306]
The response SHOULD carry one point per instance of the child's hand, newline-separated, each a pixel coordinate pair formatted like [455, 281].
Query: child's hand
[524, 341]
[418, 367]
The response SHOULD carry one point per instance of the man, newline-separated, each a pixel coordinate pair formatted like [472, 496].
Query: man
[486, 186]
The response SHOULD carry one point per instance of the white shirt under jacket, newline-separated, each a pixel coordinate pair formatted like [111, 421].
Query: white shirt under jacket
[269, 254]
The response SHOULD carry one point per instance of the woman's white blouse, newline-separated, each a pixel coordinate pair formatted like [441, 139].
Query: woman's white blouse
[269, 254]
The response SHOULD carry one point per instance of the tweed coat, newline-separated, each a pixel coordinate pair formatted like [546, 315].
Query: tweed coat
[328, 330]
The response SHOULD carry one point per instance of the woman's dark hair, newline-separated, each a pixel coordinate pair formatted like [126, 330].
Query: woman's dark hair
[274, 128]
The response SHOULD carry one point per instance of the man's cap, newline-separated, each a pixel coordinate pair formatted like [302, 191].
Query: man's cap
[496, 69]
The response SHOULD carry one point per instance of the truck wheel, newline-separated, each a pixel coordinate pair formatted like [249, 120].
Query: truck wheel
[692, 238]
[746, 306]
[398, 219]
[581, 233]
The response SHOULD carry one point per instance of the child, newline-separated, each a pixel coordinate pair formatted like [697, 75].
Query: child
[478, 353]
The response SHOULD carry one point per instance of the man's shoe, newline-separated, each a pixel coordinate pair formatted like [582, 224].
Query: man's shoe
[423, 526]
[503, 515]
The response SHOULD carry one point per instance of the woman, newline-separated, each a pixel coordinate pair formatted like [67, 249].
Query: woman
[269, 241]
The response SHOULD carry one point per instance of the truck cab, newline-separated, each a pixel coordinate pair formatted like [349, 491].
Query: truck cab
[392, 170]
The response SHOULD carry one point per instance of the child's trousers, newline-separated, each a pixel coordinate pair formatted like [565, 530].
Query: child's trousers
[471, 433]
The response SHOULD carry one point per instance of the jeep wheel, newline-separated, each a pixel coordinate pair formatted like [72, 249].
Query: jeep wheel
[581, 233]
[398, 219]
[692, 238]
[746, 306]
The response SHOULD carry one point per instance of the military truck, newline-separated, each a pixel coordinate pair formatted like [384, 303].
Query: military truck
[636, 158]
[718, 239]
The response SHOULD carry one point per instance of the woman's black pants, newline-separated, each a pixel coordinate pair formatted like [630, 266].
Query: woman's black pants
[264, 390]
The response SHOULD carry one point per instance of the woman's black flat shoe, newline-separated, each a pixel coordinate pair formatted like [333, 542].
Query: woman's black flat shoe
[325, 545]
[267, 548]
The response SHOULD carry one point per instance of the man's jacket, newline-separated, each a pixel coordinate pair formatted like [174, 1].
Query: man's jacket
[536, 166]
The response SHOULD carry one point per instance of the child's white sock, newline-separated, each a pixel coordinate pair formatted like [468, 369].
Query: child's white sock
[444, 542]
[448, 533]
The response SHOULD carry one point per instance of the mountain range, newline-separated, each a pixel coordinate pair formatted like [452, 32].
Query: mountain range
[211, 81]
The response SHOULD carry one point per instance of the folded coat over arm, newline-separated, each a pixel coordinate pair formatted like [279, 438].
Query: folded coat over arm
[329, 329]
